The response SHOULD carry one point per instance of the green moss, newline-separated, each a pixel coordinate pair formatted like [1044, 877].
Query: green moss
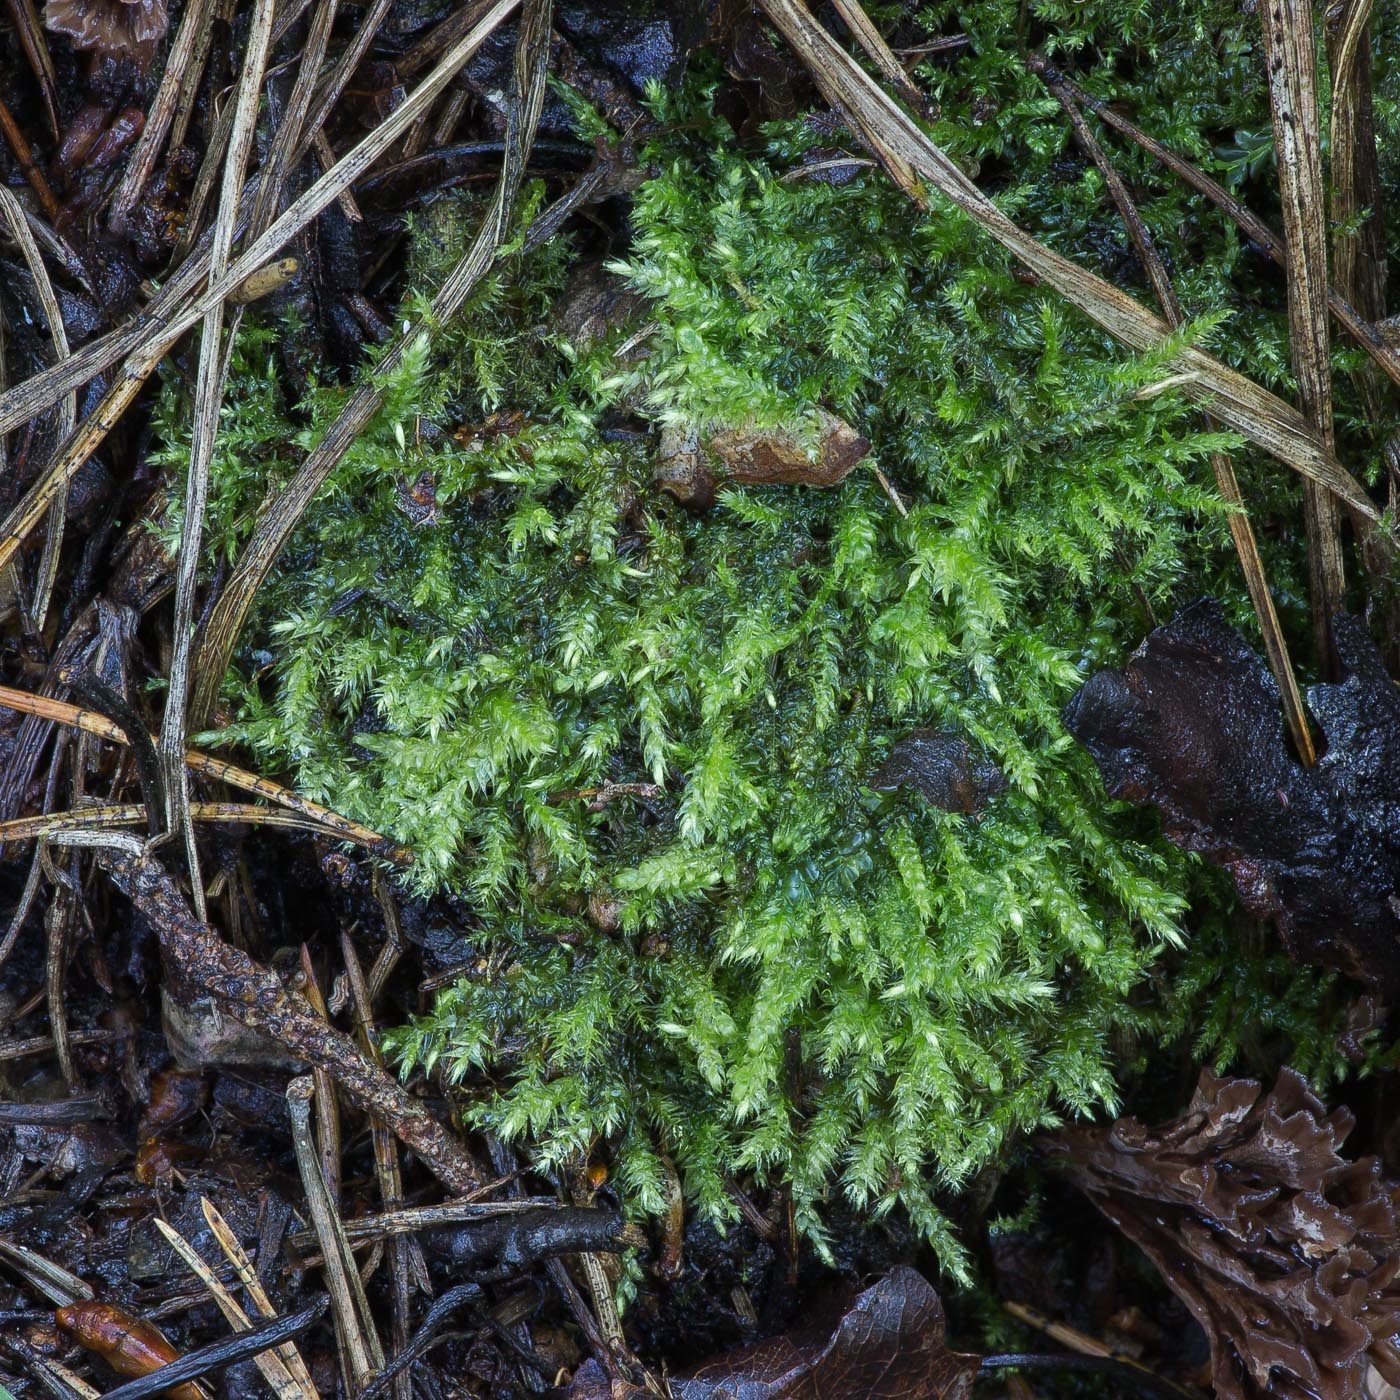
[785, 974]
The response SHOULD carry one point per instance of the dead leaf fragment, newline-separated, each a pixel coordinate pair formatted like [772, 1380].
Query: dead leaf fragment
[940, 766]
[887, 1343]
[1193, 725]
[1284, 1252]
[691, 466]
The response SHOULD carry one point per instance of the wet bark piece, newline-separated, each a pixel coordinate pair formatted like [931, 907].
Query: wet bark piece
[887, 1343]
[1284, 1252]
[939, 765]
[1193, 725]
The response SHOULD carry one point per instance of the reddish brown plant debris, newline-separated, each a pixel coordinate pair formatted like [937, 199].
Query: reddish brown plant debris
[1284, 1252]
[1193, 725]
[130, 1345]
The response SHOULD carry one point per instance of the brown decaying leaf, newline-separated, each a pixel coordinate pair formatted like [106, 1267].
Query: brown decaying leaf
[1283, 1251]
[887, 1343]
[1193, 725]
[691, 465]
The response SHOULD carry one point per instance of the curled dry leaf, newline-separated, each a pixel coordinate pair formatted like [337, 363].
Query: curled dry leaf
[940, 765]
[691, 465]
[1284, 1252]
[887, 1343]
[1193, 725]
[130, 27]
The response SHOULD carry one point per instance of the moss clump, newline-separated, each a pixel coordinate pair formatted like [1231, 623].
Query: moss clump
[768, 968]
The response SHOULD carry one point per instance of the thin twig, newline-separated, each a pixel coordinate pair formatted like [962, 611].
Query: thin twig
[25, 19]
[256, 997]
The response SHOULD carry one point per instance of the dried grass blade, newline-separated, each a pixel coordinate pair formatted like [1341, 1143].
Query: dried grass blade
[248, 1277]
[1359, 259]
[209, 397]
[1288, 56]
[1237, 401]
[110, 815]
[163, 331]
[327, 1109]
[1241, 532]
[182, 69]
[289, 128]
[52, 1280]
[91, 722]
[386, 1165]
[328, 94]
[878, 51]
[1362, 330]
[25, 19]
[269, 1363]
[53, 1376]
[282, 515]
[354, 1324]
[15, 221]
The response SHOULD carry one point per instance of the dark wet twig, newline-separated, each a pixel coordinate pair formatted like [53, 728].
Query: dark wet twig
[423, 1339]
[76, 1110]
[221, 1354]
[91, 688]
[510, 1244]
[255, 996]
[1148, 1381]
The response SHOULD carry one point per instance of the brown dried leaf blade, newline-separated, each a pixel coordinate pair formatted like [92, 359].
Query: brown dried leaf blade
[1282, 1250]
[1193, 725]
